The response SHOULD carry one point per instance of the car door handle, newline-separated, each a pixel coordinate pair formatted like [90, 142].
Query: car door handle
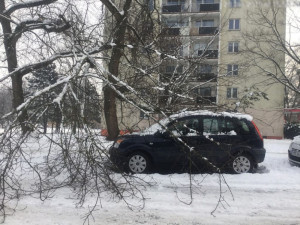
[151, 143]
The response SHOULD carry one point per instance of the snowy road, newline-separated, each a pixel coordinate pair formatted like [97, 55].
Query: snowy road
[270, 198]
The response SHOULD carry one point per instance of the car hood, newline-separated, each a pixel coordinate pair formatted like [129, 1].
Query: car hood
[137, 138]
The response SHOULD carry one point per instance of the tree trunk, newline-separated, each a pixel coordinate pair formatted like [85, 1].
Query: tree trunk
[110, 113]
[45, 122]
[57, 118]
[12, 63]
[110, 108]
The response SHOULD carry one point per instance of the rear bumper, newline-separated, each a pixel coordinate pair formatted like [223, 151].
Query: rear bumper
[258, 154]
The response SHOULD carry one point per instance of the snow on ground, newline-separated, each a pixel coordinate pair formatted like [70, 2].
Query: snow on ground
[271, 197]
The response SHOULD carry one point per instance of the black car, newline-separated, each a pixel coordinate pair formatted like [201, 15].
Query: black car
[294, 151]
[194, 139]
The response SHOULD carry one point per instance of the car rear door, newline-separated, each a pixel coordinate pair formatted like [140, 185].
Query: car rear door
[221, 136]
[217, 139]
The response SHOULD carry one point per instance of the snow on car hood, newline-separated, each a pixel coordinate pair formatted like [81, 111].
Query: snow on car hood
[156, 127]
[162, 123]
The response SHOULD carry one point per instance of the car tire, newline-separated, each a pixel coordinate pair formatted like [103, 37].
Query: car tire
[138, 163]
[242, 163]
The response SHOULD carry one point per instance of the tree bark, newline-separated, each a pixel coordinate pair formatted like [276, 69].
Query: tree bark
[110, 108]
[12, 63]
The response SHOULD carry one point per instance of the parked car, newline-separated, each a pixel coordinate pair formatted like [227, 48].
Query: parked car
[193, 139]
[294, 151]
[291, 130]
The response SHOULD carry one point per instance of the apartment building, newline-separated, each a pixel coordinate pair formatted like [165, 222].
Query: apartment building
[210, 43]
[221, 34]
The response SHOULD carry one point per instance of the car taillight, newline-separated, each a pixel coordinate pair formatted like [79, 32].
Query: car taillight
[257, 130]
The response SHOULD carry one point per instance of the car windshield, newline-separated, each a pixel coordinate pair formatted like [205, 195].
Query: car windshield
[156, 127]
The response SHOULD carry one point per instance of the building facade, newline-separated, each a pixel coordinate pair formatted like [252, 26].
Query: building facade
[224, 35]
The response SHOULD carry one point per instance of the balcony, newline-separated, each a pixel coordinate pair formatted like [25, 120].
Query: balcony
[208, 30]
[172, 8]
[171, 31]
[206, 100]
[209, 54]
[204, 77]
[209, 7]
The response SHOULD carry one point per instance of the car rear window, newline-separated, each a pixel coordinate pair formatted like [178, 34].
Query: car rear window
[244, 127]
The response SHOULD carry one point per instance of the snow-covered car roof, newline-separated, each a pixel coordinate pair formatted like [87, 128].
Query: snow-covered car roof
[159, 126]
[209, 113]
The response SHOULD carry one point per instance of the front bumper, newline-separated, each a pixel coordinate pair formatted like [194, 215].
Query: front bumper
[117, 158]
[294, 158]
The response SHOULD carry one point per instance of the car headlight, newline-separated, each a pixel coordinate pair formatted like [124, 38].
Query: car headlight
[117, 143]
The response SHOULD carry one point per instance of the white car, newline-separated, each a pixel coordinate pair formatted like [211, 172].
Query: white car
[294, 151]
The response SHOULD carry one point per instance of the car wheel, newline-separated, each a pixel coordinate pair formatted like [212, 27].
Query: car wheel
[139, 163]
[242, 164]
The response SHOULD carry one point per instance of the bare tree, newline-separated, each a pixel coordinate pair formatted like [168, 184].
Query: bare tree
[12, 31]
[267, 44]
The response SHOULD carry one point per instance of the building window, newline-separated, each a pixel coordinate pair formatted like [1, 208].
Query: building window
[176, 23]
[175, 2]
[232, 69]
[200, 46]
[235, 3]
[205, 68]
[233, 47]
[174, 69]
[205, 23]
[234, 24]
[205, 92]
[150, 4]
[205, 1]
[231, 92]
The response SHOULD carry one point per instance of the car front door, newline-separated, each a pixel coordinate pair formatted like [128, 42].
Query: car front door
[173, 147]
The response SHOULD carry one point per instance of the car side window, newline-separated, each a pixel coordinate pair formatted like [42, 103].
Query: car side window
[210, 126]
[219, 126]
[186, 127]
[243, 127]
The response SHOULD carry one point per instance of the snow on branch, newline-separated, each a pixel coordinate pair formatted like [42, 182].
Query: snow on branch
[57, 26]
[28, 4]
[119, 15]
[47, 89]
[100, 69]
[31, 67]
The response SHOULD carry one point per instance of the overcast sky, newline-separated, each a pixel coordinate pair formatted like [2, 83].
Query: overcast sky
[292, 30]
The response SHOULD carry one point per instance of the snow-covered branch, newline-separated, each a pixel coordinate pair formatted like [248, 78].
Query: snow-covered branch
[28, 4]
